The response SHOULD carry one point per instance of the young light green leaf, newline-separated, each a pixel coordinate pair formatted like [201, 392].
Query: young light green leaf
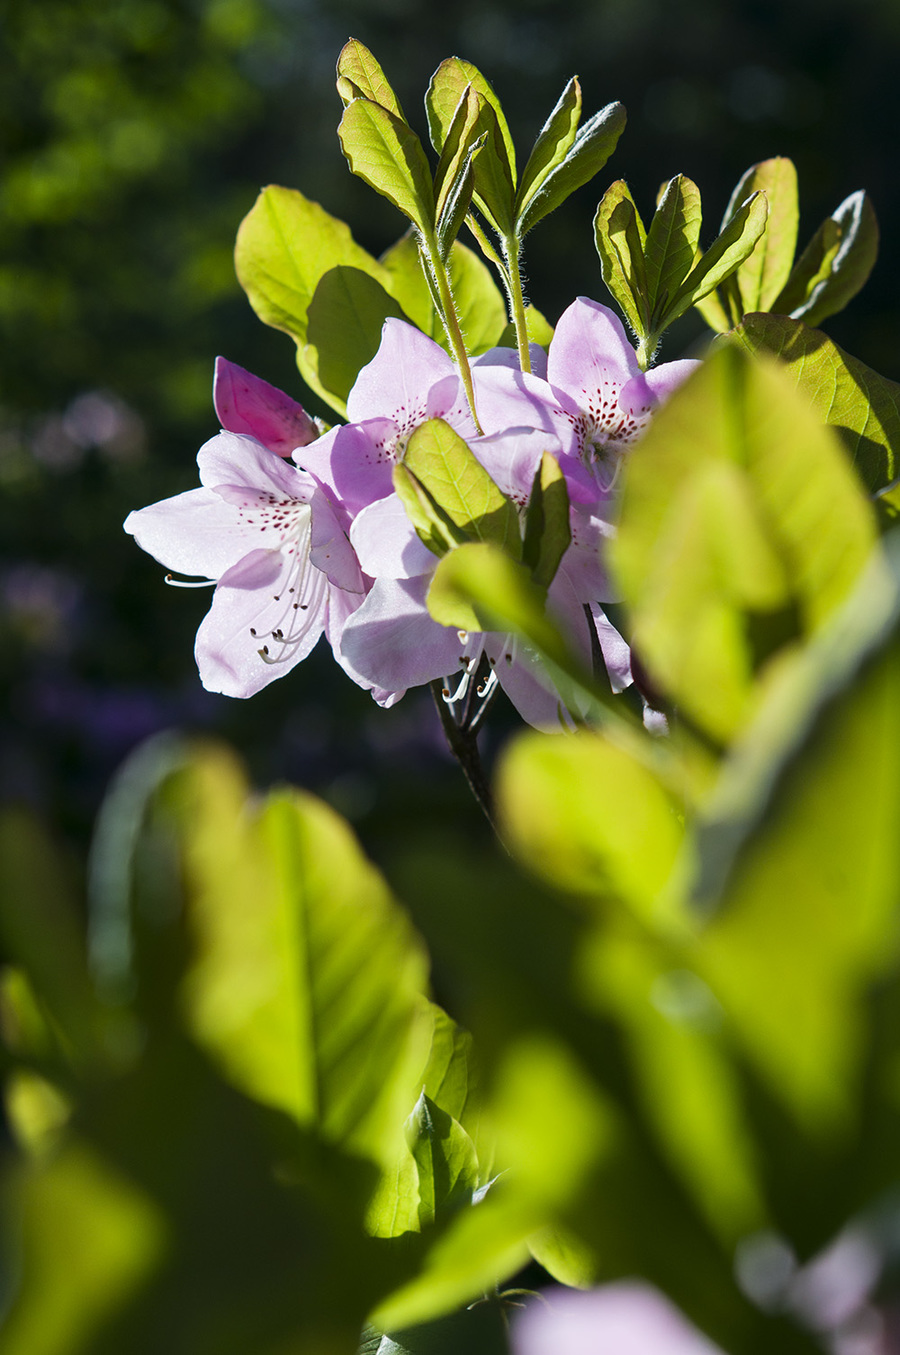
[286, 246]
[455, 207]
[457, 146]
[451, 473]
[812, 268]
[763, 274]
[445, 1160]
[814, 290]
[863, 407]
[495, 166]
[742, 527]
[589, 152]
[360, 76]
[434, 527]
[384, 152]
[310, 1001]
[344, 324]
[672, 243]
[446, 88]
[552, 145]
[620, 238]
[727, 252]
[585, 815]
[547, 530]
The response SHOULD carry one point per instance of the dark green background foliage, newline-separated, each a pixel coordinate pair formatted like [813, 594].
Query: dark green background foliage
[135, 135]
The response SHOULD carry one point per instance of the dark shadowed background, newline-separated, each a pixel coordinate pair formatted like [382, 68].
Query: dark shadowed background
[135, 135]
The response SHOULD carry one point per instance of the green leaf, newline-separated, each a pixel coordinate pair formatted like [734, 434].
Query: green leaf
[434, 527]
[552, 145]
[495, 165]
[343, 329]
[385, 153]
[826, 279]
[763, 274]
[793, 978]
[360, 76]
[447, 87]
[863, 407]
[89, 1240]
[589, 152]
[451, 473]
[454, 181]
[589, 817]
[41, 933]
[739, 512]
[310, 1000]
[480, 306]
[286, 247]
[734, 244]
[620, 238]
[457, 148]
[547, 530]
[445, 1161]
[672, 242]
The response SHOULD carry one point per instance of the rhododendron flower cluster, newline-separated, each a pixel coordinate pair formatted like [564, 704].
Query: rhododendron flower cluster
[303, 534]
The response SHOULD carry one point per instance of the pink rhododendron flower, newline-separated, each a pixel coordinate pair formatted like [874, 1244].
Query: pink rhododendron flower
[594, 376]
[270, 539]
[245, 403]
[626, 1318]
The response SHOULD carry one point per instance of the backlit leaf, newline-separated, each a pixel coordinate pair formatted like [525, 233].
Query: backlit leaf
[862, 406]
[553, 143]
[447, 468]
[360, 76]
[825, 278]
[594, 144]
[727, 252]
[672, 242]
[620, 238]
[384, 152]
[763, 274]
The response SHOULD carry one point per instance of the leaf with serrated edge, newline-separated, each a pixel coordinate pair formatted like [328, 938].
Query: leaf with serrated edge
[672, 240]
[619, 236]
[387, 155]
[862, 406]
[553, 143]
[358, 69]
[589, 152]
[449, 470]
[725, 254]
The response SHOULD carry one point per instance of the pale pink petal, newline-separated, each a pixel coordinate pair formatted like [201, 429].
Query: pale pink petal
[355, 461]
[512, 458]
[245, 403]
[392, 641]
[193, 533]
[261, 604]
[668, 376]
[525, 680]
[329, 547]
[626, 1318]
[590, 356]
[396, 382]
[386, 543]
[508, 398]
[509, 357]
[236, 459]
[341, 607]
[615, 650]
